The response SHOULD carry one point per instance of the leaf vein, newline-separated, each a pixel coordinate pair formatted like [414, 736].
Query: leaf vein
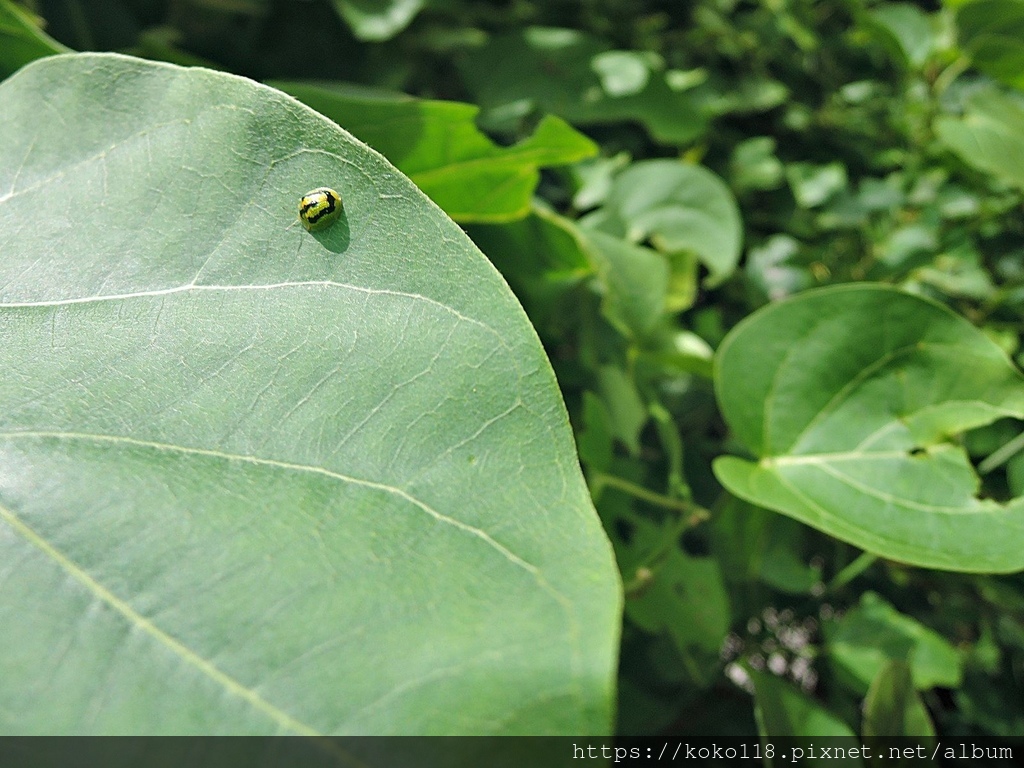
[140, 622]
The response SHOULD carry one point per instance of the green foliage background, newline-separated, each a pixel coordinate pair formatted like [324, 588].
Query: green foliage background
[816, 516]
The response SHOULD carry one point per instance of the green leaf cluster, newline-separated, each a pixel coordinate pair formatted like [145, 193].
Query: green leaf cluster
[771, 257]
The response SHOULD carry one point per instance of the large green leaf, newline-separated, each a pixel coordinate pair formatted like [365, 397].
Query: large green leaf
[989, 136]
[258, 480]
[577, 77]
[438, 146]
[847, 397]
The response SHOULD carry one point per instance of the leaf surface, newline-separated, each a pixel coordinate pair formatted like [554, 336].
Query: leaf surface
[260, 480]
[849, 399]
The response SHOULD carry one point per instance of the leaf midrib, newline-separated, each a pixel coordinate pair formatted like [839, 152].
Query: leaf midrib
[188, 287]
[189, 656]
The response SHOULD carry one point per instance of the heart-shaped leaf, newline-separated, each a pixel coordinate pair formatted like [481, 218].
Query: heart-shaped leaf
[847, 397]
[255, 479]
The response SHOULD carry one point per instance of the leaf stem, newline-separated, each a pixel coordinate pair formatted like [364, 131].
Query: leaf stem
[645, 569]
[864, 561]
[1001, 455]
[946, 77]
[694, 512]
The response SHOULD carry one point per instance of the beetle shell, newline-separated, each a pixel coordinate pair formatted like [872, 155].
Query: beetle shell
[319, 208]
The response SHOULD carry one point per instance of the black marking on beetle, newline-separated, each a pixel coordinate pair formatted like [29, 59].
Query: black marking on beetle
[332, 203]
